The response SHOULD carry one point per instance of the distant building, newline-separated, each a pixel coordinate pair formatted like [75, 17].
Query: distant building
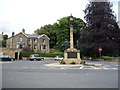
[37, 43]
[119, 24]
[1, 36]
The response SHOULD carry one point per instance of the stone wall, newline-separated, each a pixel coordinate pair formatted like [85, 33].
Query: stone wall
[10, 52]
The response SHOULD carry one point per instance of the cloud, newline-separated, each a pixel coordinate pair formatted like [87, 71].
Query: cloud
[119, 11]
[5, 26]
[32, 14]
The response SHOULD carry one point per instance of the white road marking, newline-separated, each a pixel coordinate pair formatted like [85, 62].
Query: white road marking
[117, 65]
[114, 68]
[107, 65]
[62, 68]
[81, 67]
[106, 68]
[94, 67]
[5, 62]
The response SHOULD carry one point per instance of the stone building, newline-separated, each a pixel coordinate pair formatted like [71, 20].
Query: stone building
[1, 36]
[37, 43]
[119, 24]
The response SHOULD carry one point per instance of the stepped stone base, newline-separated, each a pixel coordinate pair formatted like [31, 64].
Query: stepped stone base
[72, 55]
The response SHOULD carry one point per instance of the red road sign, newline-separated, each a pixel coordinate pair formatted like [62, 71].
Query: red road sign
[100, 49]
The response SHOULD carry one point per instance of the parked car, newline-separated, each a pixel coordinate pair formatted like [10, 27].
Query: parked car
[58, 58]
[6, 58]
[35, 57]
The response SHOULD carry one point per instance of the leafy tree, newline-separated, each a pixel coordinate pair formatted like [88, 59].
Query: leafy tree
[49, 31]
[59, 32]
[63, 36]
[3, 43]
[5, 37]
[27, 49]
[0, 43]
[101, 31]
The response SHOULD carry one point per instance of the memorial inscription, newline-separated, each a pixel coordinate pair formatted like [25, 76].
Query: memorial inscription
[72, 55]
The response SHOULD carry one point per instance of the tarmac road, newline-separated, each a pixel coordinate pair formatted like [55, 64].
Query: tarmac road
[34, 74]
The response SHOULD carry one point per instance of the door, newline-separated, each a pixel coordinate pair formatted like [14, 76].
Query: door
[16, 55]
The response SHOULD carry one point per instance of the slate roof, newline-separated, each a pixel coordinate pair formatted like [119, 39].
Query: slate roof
[32, 36]
[35, 36]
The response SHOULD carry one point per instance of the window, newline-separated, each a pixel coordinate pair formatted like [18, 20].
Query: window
[29, 39]
[44, 46]
[35, 47]
[20, 39]
[11, 46]
[35, 40]
[20, 46]
[17, 46]
[11, 40]
[43, 40]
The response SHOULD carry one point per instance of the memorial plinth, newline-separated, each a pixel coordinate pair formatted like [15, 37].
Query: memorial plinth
[71, 54]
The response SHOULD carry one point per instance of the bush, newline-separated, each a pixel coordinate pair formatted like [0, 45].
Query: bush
[82, 62]
[62, 62]
[73, 62]
[95, 59]
[107, 58]
[27, 49]
[27, 54]
[53, 50]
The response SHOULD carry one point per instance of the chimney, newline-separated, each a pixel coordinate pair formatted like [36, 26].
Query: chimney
[23, 30]
[2, 33]
[13, 34]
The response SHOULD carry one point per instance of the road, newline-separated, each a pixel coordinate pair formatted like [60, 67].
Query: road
[34, 74]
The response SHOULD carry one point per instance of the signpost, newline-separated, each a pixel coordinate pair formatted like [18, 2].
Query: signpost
[100, 50]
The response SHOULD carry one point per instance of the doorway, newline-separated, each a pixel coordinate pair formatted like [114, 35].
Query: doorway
[16, 55]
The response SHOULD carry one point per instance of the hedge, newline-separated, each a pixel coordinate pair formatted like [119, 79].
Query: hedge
[27, 54]
[107, 58]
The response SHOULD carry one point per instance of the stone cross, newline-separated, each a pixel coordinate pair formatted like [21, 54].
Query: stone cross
[71, 37]
[71, 32]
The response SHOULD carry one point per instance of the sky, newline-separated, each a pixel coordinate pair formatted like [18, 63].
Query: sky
[32, 14]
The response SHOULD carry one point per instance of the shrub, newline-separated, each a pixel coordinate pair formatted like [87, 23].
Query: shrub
[27, 54]
[62, 62]
[82, 62]
[107, 58]
[53, 50]
[73, 62]
[95, 59]
[27, 49]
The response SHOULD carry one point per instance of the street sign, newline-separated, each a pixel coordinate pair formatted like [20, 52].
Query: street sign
[100, 49]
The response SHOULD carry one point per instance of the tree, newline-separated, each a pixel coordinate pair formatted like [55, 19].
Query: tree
[49, 31]
[5, 37]
[102, 30]
[27, 49]
[3, 42]
[59, 32]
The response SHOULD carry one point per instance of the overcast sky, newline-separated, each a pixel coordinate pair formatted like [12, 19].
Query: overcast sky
[32, 14]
